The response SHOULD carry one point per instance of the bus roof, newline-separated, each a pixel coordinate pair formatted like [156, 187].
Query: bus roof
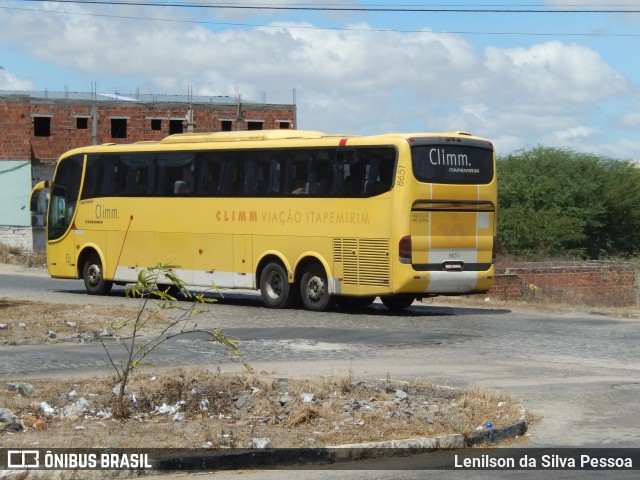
[181, 140]
[247, 135]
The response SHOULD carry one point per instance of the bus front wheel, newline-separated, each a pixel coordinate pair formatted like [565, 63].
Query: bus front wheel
[93, 276]
[314, 289]
[275, 287]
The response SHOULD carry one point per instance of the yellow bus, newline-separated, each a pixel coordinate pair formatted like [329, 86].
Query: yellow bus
[301, 216]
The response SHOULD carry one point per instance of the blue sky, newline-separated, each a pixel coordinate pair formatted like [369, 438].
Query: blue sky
[559, 78]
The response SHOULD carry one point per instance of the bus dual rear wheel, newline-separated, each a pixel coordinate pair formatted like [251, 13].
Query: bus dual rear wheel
[314, 289]
[93, 276]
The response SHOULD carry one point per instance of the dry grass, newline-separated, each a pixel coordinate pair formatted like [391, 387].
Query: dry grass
[16, 256]
[209, 401]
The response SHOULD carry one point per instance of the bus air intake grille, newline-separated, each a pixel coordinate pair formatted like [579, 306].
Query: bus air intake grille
[365, 261]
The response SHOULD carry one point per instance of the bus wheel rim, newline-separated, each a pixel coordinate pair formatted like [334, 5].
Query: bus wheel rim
[274, 285]
[94, 274]
[315, 288]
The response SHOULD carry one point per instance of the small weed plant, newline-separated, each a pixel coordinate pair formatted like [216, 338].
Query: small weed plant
[157, 286]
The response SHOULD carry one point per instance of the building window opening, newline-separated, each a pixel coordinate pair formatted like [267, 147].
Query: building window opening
[254, 125]
[82, 123]
[42, 126]
[226, 125]
[156, 124]
[118, 128]
[285, 125]
[175, 126]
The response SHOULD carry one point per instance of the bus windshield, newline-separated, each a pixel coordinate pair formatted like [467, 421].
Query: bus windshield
[64, 196]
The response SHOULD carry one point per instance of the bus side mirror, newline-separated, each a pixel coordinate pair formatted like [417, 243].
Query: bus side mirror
[35, 194]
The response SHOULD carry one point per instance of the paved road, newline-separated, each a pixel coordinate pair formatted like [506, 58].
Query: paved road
[580, 372]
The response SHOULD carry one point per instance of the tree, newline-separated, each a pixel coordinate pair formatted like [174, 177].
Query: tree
[557, 202]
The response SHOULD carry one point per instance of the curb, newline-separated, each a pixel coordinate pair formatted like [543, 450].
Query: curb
[283, 457]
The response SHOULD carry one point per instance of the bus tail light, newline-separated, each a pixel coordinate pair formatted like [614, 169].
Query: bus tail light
[404, 250]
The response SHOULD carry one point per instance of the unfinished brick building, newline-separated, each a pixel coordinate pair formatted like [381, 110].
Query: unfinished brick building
[37, 127]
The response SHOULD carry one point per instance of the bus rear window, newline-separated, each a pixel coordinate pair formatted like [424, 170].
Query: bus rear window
[452, 164]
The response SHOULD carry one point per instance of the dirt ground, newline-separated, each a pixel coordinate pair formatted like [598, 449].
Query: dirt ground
[31, 323]
[196, 408]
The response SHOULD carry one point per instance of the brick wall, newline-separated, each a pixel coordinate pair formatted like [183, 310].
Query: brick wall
[69, 123]
[575, 284]
[20, 113]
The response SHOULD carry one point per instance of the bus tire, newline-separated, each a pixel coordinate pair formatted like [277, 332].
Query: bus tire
[93, 276]
[314, 289]
[398, 302]
[275, 287]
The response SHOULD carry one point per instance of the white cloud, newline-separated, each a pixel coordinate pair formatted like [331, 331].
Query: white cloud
[346, 80]
[11, 82]
[574, 134]
[554, 72]
[631, 117]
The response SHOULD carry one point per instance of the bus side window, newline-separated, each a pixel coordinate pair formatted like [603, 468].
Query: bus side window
[92, 178]
[337, 174]
[347, 178]
[297, 173]
[265, 177]
[228, 181]
[250, 173]
[99, 176]
[138, 177]
[108, 177]
[175, 173]
[352, 181]
[274, 173]
[379, 164]
[318, 180]
[207, 173]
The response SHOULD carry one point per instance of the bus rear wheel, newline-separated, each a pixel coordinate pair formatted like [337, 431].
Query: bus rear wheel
[314, 289]
[397, 302]
[275, 287]
[93, 276]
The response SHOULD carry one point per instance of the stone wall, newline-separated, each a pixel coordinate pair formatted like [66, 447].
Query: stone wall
[588, 283]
